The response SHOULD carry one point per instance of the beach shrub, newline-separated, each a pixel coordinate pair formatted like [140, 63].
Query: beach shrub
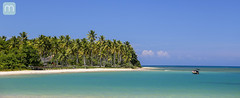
[107, 64]
[128, 65]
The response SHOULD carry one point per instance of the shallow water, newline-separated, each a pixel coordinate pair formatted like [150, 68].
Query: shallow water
[173, 83]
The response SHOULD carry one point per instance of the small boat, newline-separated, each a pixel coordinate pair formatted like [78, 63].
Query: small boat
[195, 72]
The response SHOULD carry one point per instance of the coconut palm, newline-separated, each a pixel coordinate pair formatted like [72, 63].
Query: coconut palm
[77, 46]
[13, 42]
[119, 51]
[109, 51]
[44, 47]
[101, 44]
[128, 52]
[65, 50]
[55, 49]
[23, 36]
[85, 48]
[91, 37]
[3, 43]
[114, 50]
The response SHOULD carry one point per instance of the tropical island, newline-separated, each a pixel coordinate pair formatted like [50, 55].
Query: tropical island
[48, 53]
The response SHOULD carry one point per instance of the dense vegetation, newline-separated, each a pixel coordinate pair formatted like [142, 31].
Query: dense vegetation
[53, 52]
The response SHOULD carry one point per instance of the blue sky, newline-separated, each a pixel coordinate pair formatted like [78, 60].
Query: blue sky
[166, 32]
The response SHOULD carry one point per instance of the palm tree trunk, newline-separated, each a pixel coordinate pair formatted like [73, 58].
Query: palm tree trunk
[100, 58]
[77, 59]
[100, 61]
[91, 59]
[84, 59]
[120, 58]
[107, 59]
[114, 63]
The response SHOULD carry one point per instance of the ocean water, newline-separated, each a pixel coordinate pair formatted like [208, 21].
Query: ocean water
[164, 82]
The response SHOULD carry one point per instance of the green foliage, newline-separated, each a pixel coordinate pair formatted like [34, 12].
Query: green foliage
[127, 65]
[29, 56]
[11, 60]
[20, 52]
[134, 60]
[19, 58]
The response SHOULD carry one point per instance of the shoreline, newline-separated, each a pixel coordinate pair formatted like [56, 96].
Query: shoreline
[25, 72]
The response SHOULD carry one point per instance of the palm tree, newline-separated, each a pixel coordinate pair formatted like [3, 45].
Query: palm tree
[101, 43]
[67, 41]
[3, 38]
[44, 46]
[119, 51]
[109, 51]
[23, 39]
[40, 45]
[63, 56]
[23, 36]
[77, 46]
[127, 48]
[114, 49]
[55, 49]
[85, 48]
[3, 43]
[91, 37]
[65, 49]
[13, 42]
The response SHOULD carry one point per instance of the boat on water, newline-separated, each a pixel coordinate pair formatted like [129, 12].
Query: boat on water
[195, 72]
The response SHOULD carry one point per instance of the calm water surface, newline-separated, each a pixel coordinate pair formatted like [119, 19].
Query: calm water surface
[166, 82]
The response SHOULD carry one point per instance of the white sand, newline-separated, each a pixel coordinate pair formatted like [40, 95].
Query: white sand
[3, 73]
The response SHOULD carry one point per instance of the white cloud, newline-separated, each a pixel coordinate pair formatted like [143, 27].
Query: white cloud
[147, 53]
[162, 53]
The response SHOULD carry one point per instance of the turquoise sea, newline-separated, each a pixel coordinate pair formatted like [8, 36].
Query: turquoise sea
[165, 82]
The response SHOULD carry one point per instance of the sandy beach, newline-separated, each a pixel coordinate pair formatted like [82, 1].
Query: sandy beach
[3, 73]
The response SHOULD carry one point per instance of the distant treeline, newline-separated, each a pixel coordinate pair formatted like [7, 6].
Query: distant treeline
[46, 51]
